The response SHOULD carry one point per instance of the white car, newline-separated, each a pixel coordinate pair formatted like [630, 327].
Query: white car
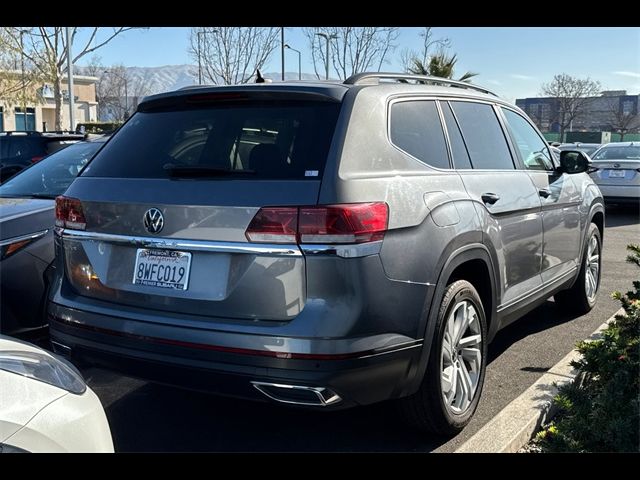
[615, 167]
[45, 405]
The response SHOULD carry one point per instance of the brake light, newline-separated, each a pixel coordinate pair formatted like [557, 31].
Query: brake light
[274, 225]
[36, 159]
[69, 213]
[335, 224]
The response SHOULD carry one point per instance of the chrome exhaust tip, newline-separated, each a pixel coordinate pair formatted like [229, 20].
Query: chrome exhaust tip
[298, 394]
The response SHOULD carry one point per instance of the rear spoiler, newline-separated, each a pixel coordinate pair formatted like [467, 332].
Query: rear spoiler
[239, 94]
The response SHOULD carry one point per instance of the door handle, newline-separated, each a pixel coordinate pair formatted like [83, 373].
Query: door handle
[544, 192]
[490, 198]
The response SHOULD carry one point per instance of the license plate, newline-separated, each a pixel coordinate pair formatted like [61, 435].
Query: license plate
[162, 268]
[616, 173]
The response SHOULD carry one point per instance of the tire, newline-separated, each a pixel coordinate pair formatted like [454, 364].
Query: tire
[580, 299]
[432, 408]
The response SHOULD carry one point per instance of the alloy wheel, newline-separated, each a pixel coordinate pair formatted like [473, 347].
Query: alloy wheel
[461, 357]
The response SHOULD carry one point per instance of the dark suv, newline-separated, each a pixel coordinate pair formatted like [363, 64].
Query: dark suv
[322, 244]
[18, 150]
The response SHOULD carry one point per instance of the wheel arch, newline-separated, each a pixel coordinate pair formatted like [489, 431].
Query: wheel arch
[473, 263]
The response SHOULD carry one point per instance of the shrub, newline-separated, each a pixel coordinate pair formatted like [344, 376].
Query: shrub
[598, 412]
[99, 127]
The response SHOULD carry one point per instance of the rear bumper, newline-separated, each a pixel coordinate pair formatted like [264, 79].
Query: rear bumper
[628, 193]
[355, 370]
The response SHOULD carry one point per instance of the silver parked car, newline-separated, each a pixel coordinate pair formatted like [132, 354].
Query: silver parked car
[27, 216]
[615, 167]
[587, 148]
[322, 244]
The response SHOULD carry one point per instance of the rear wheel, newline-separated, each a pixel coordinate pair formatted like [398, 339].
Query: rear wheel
[581, 298]
[451, 388]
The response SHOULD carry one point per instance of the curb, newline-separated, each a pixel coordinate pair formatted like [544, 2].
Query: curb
[516, 423]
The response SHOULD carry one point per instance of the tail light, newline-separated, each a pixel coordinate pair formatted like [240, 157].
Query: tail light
[36, 159]
[335, 224]
[69, 213]
[274, 225]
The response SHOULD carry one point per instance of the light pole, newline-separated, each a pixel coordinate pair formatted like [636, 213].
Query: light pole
[282, 45]
[72, 121]
[299, 60]
[199, 58]
[326, 60]
[126, 93]
[24, 84]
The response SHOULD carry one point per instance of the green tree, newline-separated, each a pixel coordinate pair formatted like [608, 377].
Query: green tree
[440, 65]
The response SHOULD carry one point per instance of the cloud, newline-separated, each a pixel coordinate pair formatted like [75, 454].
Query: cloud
[627, 74]
[519, 76]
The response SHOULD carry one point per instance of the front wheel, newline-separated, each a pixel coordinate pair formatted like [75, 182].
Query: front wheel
[581, 298]
[451, 388]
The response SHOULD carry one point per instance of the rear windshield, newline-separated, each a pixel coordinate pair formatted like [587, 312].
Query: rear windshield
[618, 153]
[274, 140]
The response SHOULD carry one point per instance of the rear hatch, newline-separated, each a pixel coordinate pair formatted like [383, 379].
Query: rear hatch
[159, 217]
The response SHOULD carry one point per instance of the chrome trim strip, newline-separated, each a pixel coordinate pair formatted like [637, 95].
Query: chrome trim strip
[318, 391]
[182, 244]
[537, 289]
[30, 236]
[344, 251]
[30, 212]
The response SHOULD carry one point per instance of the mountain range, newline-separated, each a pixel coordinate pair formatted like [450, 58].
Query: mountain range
[173, 77]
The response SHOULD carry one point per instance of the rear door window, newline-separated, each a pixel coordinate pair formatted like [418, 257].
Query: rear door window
[461, 158]
[483, 136]
[267, 139]
[416, 129]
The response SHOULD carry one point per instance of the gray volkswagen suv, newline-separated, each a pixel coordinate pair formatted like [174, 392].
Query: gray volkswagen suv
[322, 244]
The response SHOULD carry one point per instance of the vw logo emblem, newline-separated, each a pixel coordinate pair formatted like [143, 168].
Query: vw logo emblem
[616, 165]
[153, 220]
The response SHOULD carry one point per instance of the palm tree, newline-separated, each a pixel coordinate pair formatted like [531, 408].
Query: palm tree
[440, 65]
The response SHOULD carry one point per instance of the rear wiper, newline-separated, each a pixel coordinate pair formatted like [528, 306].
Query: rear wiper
[201, 171]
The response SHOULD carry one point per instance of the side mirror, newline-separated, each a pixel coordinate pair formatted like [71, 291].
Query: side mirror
[573, 161]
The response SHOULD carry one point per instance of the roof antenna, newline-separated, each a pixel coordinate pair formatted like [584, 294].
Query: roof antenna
[259, 78]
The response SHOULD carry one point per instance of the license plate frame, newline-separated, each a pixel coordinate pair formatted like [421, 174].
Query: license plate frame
[617, 173]
[168, 259]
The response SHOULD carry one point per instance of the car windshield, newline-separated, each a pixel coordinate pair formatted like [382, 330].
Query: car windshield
[631, 152]
[51, 176]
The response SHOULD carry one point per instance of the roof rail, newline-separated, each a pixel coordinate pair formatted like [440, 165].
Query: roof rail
[373, 78]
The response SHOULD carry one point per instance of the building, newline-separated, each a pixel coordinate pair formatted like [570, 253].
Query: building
[598, 114]
[40, 115]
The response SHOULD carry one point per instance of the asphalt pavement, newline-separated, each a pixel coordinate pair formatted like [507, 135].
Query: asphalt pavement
[148, 417]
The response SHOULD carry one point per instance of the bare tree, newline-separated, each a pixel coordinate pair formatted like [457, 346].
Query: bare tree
[16, 74]
[353, 50]
[622, 121]
[429, 42]
[118, 91]
[231, 55]
[114, 92]
[46, 49]
[572, 95]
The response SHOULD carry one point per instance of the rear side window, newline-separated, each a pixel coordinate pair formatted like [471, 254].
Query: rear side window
[275, 140]
[483, 136]
[416, 129]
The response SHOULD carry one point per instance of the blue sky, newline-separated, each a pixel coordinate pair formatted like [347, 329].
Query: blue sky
[512, 61]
